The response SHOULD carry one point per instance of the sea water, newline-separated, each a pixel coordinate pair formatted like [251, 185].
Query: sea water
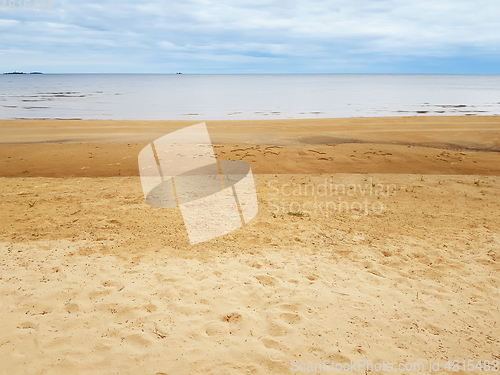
[245, 97]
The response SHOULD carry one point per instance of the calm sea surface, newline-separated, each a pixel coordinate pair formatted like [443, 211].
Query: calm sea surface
[222, 97]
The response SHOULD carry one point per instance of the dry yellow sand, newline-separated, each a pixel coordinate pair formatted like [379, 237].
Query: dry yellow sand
[95, 281]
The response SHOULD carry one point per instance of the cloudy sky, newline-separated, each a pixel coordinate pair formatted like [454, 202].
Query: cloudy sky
[253, 36]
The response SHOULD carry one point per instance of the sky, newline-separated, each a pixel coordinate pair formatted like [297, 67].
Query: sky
[252, 36]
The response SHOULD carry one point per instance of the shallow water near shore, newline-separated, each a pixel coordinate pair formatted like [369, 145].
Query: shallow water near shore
[245, 97]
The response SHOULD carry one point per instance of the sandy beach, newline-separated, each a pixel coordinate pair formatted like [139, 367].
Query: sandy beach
[400, 266]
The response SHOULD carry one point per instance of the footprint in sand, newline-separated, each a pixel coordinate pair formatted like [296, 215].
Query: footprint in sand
[271, 152]
[290, 318]
[228, 325]
[72, 308]
[215, 329]
[267, 280]
[272, 344]
[138, 340]
[277, 328]
[318, 152]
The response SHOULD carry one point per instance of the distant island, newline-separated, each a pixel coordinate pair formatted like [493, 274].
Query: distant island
[23, 73]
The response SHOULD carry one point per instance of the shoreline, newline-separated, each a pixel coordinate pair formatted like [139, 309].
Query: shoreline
[80, 131]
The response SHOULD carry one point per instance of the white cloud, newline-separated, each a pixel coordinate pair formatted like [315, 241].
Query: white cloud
[9, 23]
[152, 33]
[14, 51]
[230, 48]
